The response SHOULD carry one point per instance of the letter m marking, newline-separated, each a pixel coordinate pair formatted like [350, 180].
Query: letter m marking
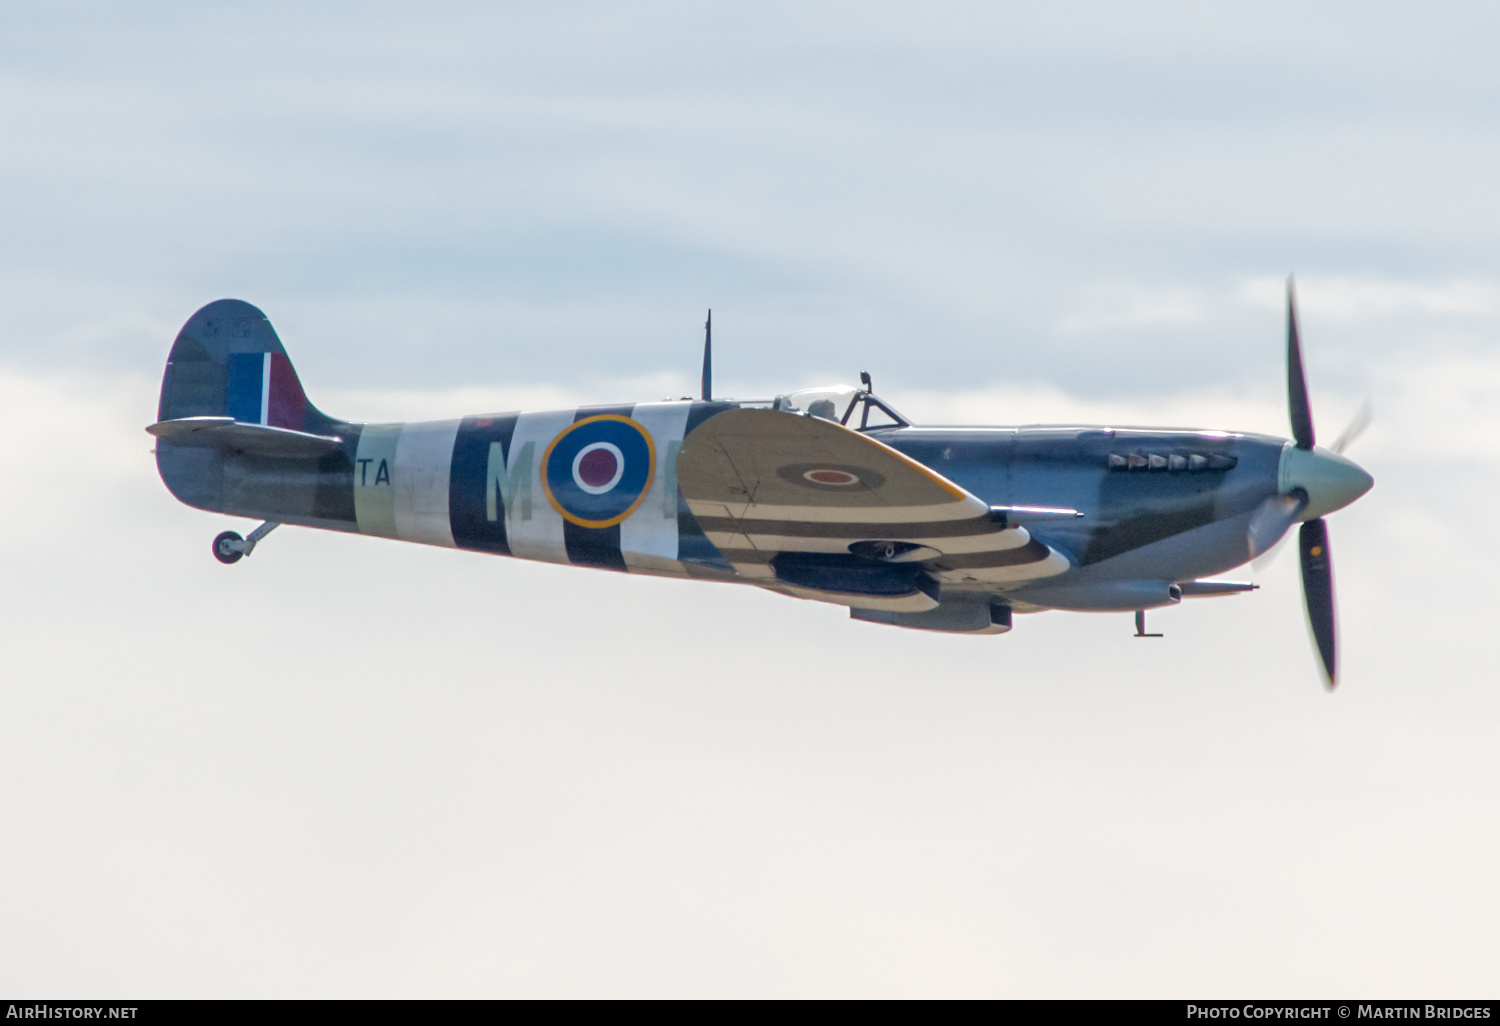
[507, 484]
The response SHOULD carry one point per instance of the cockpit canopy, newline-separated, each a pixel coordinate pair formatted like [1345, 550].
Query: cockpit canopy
[849, 405]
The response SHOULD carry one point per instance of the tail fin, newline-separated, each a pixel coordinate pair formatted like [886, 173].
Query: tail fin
[228, 362]
[235, 432]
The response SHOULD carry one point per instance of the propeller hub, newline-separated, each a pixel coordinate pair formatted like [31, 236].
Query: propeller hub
[1330, 480]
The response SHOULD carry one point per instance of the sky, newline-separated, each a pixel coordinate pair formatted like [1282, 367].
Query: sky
[352, 768]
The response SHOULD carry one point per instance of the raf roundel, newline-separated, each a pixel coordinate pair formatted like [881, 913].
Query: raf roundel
[598, 471]
[829, 476]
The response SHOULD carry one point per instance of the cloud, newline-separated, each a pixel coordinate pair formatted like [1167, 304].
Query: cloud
[1443, 412]
[1045, 404]
[1123, 306]
[347, 766]
[1350, 298]
[1116, 307]
[436, 404]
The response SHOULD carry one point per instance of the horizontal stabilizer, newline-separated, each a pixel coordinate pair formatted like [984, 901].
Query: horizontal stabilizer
[235, 436]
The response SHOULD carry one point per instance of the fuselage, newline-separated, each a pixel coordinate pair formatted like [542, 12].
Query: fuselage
[1158, 506]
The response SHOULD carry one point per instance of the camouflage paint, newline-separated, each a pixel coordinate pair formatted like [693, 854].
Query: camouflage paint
[1159, 506]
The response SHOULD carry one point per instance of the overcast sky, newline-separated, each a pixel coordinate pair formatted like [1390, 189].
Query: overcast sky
[347, 767]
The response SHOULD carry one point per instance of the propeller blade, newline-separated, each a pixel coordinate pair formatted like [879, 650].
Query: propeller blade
[1356, 427]
[1272, 520]
[1317, 590]
[1296, 380]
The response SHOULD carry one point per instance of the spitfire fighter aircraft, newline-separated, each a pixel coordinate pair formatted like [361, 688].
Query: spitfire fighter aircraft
[826, 494]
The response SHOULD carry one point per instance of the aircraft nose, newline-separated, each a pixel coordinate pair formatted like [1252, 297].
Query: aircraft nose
[1330, 480]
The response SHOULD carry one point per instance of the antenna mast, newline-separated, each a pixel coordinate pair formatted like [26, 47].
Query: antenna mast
[708, 357]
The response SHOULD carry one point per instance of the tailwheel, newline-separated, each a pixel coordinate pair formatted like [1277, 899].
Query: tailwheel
[229, 547]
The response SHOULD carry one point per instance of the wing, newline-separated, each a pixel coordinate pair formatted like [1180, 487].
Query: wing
[813, 506]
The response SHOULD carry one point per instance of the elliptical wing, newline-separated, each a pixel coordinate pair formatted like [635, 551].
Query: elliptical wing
[779, 493]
